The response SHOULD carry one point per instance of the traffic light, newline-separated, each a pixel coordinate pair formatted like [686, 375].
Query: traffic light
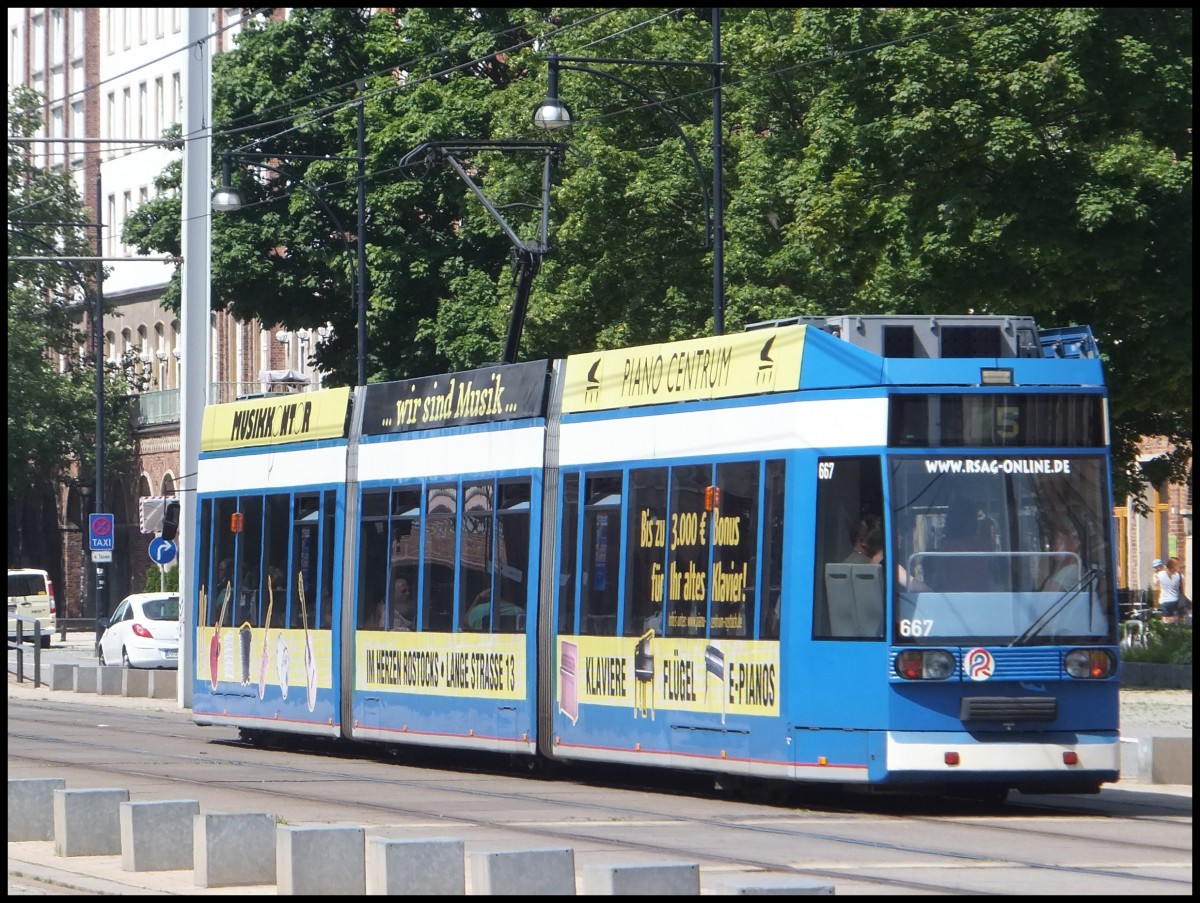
[170, 524]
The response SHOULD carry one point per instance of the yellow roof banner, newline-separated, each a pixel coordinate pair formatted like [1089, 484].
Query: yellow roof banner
[295, 417]
[744, 363]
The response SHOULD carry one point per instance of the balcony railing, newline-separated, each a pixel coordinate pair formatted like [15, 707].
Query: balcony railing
[158, 408]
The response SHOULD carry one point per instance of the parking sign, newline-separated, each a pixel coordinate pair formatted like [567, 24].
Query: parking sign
[101, 533]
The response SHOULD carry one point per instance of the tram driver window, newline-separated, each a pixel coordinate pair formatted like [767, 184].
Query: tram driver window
[848, 591]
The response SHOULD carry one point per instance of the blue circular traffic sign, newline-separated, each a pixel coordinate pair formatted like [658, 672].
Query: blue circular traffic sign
[162, 551]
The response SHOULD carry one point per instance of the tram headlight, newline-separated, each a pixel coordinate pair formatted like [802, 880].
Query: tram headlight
[1090, 664]
[925, 664]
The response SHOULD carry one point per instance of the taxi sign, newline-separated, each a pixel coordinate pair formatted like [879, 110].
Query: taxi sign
[101, 533]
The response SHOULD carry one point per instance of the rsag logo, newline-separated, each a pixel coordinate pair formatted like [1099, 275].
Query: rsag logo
[978, 664]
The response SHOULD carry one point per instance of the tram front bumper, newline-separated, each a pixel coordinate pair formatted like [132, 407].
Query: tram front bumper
[976, 757]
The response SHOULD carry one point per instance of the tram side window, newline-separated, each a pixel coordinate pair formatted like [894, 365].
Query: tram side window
[276, 530]
[224, 582]
[372, 559]
[734, 529]
[403, 558]
[568, 554]
[306, 525]
[772, 551]
[248, 604]
[512, 557]
[601, 588]
[645, 584]
[204, 556]
[687, 552]
[848, 591]
[475, 558]
[437, 566]
[328, 533]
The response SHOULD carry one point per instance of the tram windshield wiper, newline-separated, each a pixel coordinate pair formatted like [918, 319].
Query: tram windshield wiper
[1044, 620]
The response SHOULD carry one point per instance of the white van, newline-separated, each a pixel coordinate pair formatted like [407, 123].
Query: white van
[31, 595]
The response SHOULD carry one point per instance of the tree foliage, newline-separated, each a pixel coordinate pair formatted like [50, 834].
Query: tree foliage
[876, 160]
[51, 382]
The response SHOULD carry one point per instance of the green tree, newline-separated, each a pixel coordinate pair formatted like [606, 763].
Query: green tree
[51, 382]
[1033, 161]
[877, 160]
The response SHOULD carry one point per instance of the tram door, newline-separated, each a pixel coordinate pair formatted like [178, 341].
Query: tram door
[849, 597]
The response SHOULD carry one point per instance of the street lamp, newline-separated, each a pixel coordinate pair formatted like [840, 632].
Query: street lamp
[226, 199]
[552, 113]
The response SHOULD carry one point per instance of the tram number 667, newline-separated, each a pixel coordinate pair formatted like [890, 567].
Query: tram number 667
[824, 470]
[916, 627]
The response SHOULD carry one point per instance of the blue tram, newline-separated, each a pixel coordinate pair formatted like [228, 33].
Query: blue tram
[874, 551]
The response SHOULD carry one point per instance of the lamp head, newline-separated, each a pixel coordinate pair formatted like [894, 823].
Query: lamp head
[226, 198]
[552, 113]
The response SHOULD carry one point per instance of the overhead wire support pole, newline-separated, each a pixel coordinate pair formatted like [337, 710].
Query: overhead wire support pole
[718, 225]
[100, 598]
[362, 245]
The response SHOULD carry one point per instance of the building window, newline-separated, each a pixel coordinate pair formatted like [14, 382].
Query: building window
[158, 107]
[16, 57]
[110, 221]
[38, 44]
[77, 33]
[77, 129]
[143, 109]
[127, 118]
[127, 208]
[58, 38]
[110, 122]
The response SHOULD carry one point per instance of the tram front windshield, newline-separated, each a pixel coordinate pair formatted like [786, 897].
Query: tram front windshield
[1009, 550]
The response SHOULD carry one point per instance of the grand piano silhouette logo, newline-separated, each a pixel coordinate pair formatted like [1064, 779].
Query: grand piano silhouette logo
[766, 366]
[591, 391]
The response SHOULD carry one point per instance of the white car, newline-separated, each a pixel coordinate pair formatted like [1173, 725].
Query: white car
[31, 596]
[143, 632]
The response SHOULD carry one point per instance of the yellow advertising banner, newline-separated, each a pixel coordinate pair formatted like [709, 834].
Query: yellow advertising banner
[273, 660]
[744, 363]
[648, 673]
[296, 417]
[481, 665]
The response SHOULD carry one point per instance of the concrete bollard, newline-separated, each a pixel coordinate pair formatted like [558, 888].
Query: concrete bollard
[324, 859]
[163, 684]
[778, 883]
[233, 849]
[62, 677]
[642, 878]
[134, 682]
[1165, 760]
[523, 872]
[108, 680]
[85, 678]
[157, 836]
[432, 866]
[31, 808]
[88, 822]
